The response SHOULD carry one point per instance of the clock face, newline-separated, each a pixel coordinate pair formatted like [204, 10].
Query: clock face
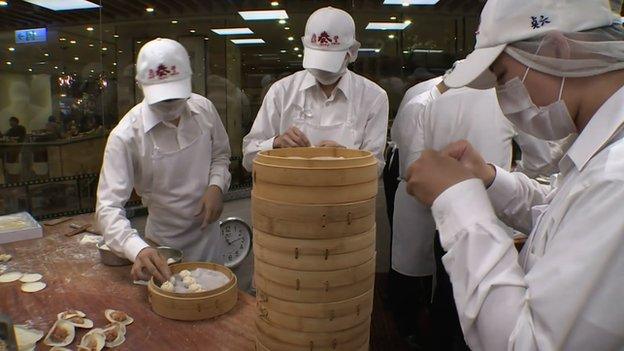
[236, 235]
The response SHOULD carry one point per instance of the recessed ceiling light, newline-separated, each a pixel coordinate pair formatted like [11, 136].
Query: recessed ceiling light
[30, 70]
[149, 9]
[90, 29]
[274, 3]
[393, 18]
[174, 22]
[391, 36]
[46, 54]
[55, 67]
[9, 63]
[387, 26]
[296, 48]
[410, 2]
[281, 21]
[4, 3]
[287, 28]
[299, 55]
[263, 15]
[92, 71]
[11, 49]
[76, 58]
[192, 30]
[206, 38]
[114, 63]
[115, 35]
[138, 42]
[64, 5]
[62, 39]
[247, 41]
[232, 31]
[104, 49]
[291, 38]
[369, 50]
[283, 51]
[91, 45]
[72, 42]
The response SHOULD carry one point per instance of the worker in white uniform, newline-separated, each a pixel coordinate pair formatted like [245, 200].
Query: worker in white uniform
[326, 104]
[558, 69]
[174, 151]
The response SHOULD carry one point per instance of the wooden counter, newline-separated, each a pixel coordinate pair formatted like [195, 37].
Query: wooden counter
[77, 280]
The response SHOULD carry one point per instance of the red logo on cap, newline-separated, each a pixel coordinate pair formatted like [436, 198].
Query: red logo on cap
[324, 39]
[162, 72]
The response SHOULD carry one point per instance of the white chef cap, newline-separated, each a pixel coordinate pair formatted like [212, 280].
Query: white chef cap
[577, 54]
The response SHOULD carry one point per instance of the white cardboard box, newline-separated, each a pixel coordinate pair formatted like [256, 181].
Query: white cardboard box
[18, 227]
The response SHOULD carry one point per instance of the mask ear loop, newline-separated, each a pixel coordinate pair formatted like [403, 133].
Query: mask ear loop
[561, 89]
[535, 54]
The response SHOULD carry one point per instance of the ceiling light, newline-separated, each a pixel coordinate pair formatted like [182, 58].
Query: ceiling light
[232, 31]
[263, 15]
[115, 35]
[291, 38]
[149, 9]
[281, 21]
[296, 48]
[283, 51]
[192, 30]
[4, 3]
[393, 18]
[391, 36]
[428, 51]
[114, 63]
[206, 38]
[247, 41]
[287, 28]
[104, 49]
[91, 45]
[64, 5]
[9, 63]
[174, 22]
[46, 54]
[92, 71]
[410, 2]
[55, 67]
[76, 58]
[408, 22]
[30, 70]
[274, 3]
[299, 55]
[387, 26]
[11, 49]
[405, 51]
[90, 29]
[369, 50]
[72, 42]
[62, 39]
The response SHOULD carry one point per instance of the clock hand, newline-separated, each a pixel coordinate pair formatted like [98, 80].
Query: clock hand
[233, 241]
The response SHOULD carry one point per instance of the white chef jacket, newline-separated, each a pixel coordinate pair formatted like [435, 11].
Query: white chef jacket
[128, 164]
[540, 157]
[283, 104]
[418, 89]
[458, 114]
[564, 291]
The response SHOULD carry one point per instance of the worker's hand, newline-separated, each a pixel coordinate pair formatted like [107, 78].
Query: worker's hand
[330, 143]
[292, 138]
[149, 263]
[211, 206]
[432, 174]
[463, 152]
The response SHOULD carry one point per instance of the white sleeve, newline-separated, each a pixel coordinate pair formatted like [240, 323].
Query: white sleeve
[265, 128]
[219, 167]
[415, 145]
[114, 189]
[376, 129]
[513, 195]
[567, 301]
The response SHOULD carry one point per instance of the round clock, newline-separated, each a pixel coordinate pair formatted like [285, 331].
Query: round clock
[237, 236]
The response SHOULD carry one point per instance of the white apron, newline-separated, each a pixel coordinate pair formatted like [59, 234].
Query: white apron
[342, 133]
[412, 235]
[179, 181]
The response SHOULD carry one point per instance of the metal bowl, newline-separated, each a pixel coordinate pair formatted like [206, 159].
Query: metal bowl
[109, 258]
[169, 253]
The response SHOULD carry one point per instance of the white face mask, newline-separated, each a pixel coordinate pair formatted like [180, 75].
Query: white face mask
[326, 77]
[169, 110]
[552, 122]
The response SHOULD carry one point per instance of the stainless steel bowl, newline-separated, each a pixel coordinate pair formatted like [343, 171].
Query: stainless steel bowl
[109, 258]
[169, 253]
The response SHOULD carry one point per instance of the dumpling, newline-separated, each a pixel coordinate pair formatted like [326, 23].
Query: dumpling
[184, 273]
[167, 286]
[195, 287]
[188, 281]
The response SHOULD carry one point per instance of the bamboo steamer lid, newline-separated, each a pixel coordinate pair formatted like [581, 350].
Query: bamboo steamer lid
[327, 280]
[313, 221]
[333, 294]
[315, 325]
[355, 336]
[293, 175]
[326, 310]
[299, 260]
[194, 306]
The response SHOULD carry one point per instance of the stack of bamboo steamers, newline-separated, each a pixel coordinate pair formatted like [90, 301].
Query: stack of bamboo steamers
[314, 246]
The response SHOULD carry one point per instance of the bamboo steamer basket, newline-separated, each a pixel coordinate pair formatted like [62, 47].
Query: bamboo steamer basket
[327, 280]
[327, 310]
[323, 295]
[310, 255]
[340, 340]
[194, 306]
[312, 221]
[293, 175]
[278, 346]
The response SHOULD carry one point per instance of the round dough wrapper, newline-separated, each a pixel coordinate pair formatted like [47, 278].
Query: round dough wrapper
[30, 278]
[10, 277]
[33, 287]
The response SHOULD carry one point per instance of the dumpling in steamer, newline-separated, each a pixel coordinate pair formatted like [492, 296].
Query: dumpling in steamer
[167, 286]
[188, 281]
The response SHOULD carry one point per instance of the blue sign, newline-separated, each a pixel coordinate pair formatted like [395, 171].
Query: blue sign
[35, 35]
